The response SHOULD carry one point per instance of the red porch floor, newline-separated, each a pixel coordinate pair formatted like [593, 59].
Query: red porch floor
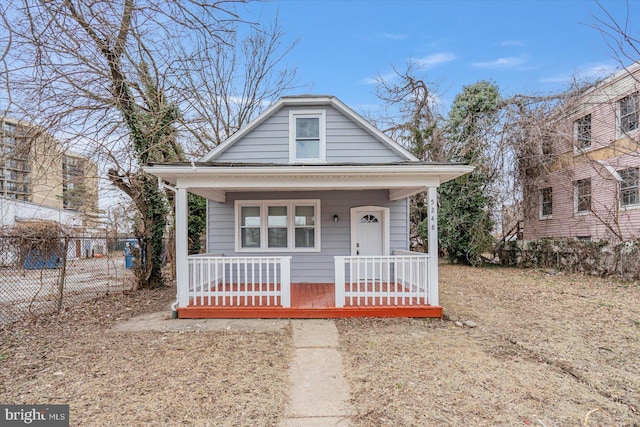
[310, 301]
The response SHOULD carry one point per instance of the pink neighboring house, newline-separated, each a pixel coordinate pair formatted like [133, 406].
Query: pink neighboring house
[590, 191]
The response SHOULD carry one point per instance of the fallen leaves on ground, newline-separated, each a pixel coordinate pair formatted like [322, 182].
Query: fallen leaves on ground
[549, 349]
[195, 378]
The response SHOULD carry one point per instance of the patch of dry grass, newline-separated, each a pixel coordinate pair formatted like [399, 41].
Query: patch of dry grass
[549, 350]
[552, 350]
[144, 378]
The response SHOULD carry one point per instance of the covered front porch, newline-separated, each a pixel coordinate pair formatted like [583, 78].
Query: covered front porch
[307, 241]
[401, 285]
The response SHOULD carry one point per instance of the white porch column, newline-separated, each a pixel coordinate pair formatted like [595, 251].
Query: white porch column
[433, 245]
[339, 264]
[182, 266]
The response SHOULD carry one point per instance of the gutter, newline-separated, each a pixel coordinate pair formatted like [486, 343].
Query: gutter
[174, 305]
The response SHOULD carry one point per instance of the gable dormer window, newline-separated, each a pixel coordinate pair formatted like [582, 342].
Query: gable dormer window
[307, 136]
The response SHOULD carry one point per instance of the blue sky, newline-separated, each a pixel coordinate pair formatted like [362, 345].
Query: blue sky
[530, 47]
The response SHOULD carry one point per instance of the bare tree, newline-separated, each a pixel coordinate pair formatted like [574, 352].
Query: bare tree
[617, 32]
[410, 117]
[133, 81]
[233, 82]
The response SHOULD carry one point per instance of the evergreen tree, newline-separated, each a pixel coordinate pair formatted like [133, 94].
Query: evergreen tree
[466, 205]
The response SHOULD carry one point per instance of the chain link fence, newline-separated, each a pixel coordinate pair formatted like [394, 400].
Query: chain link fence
[37, 279]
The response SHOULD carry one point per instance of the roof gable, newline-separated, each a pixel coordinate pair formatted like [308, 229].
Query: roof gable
[349, 136]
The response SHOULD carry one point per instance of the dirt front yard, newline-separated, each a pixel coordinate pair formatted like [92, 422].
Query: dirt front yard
[548, 350]
[109, 377]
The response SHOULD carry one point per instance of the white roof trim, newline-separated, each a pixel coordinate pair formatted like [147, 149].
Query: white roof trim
[310, 101]
[214, 182]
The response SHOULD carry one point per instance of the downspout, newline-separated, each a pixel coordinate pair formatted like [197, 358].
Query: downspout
[174, 305]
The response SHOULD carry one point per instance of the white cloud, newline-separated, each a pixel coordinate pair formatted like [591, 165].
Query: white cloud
[369, 81]
[589, 72]
[374, 80]
[501, 63]
[597, 71]
[557, 78]
[391, 36]
[432, 60]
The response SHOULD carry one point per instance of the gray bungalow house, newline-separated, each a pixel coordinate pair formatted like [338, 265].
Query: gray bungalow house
[308, 216]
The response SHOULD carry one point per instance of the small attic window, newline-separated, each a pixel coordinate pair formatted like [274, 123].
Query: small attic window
[307, 136]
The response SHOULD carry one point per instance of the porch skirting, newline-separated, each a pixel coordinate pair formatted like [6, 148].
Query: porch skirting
[311, 301]
[202, 312]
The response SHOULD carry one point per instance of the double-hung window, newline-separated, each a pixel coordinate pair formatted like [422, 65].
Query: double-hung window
[250, 223]
[629, 187]
[307, 136]
[582, 132]
[627, 114]
[582, 196]
[277, 226]
[546, 203]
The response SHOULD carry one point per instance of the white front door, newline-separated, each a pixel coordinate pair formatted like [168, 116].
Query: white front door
[369, 237]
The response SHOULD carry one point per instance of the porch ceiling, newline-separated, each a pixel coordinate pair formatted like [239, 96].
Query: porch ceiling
[214, 181]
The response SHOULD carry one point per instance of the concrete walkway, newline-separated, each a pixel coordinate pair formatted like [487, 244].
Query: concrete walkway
[319, 393]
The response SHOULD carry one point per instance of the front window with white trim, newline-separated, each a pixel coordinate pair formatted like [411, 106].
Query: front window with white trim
[629, 187]
[277, 225]
[582, 132]
[307, 136]
[582, 196]
[250, 227]
[546, 203]
[628, 112]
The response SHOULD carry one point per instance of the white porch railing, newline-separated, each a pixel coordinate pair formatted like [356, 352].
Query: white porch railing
[398, 280]
[239, 281]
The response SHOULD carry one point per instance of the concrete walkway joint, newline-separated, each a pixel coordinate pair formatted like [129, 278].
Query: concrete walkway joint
[319, 392]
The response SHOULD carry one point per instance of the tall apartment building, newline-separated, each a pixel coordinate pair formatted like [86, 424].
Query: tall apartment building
[589, 187]
[39, 180]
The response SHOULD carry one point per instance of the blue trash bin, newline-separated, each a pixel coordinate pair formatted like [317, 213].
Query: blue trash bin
[129, 258]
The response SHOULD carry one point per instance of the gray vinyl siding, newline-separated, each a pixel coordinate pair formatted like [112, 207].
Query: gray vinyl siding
[267, 143]
[311, 267]
[345, 141]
